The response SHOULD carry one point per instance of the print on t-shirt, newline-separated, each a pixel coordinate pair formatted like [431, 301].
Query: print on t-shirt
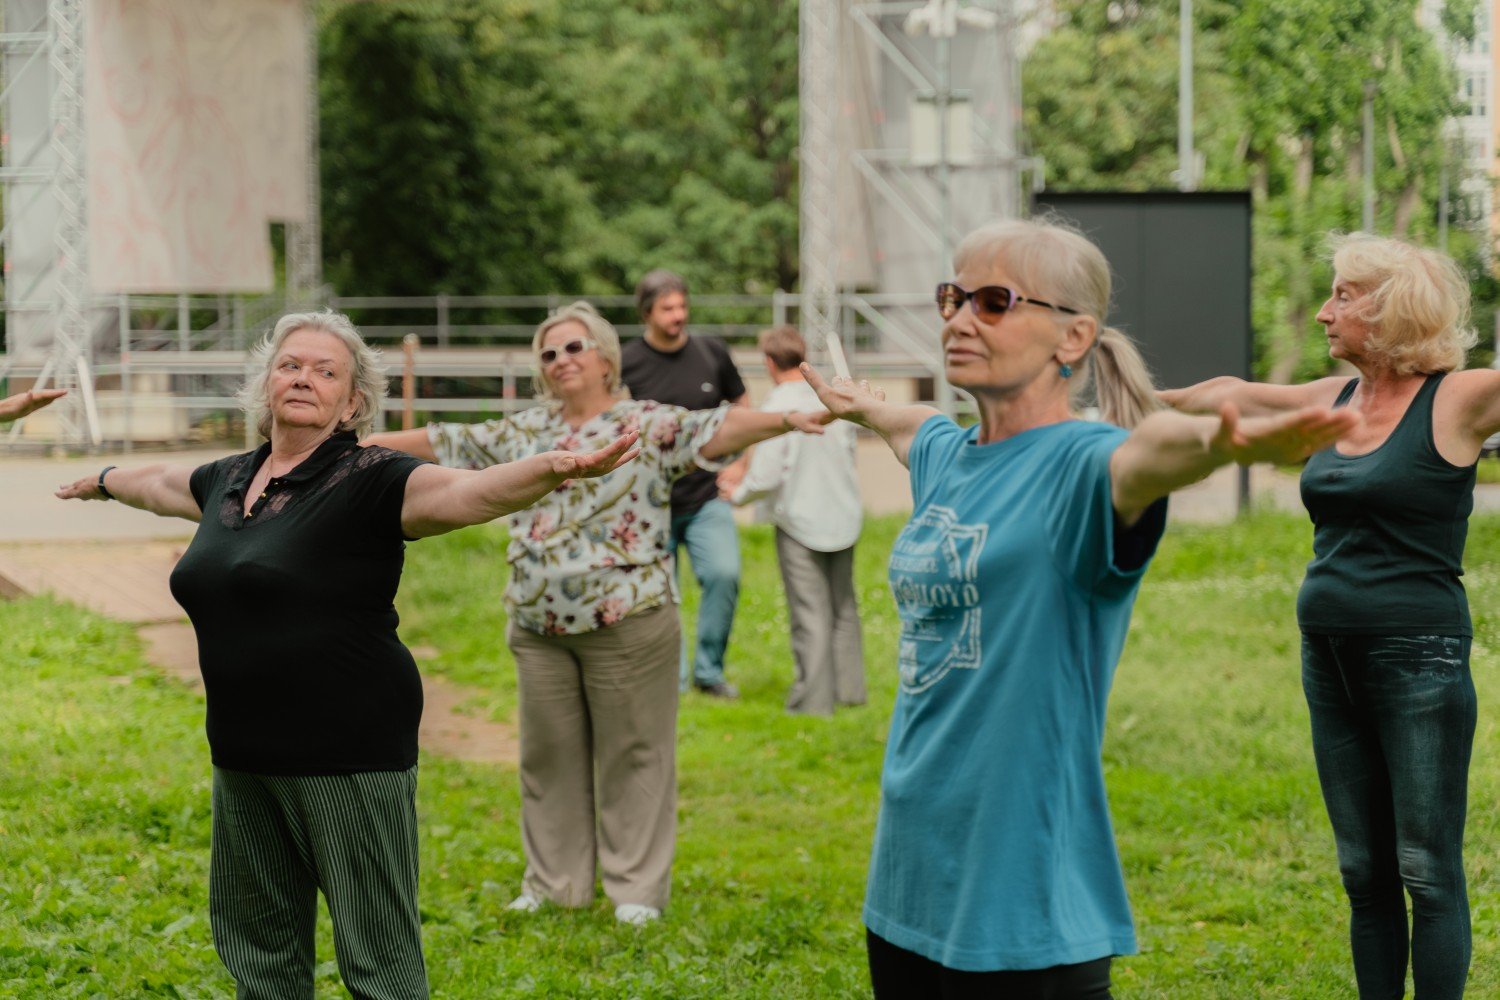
[934, 571]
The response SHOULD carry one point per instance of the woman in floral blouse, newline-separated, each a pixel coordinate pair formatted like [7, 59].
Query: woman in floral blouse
[593, 613]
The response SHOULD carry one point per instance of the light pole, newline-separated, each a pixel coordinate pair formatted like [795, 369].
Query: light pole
[1187, 166]
[1367, 156]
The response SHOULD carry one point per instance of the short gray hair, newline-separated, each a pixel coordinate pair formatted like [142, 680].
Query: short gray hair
[368, 374]
[601, 332]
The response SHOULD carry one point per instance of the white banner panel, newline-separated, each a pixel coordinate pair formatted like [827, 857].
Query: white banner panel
[197, 136]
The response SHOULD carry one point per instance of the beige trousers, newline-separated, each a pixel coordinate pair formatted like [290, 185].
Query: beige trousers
[598, 716]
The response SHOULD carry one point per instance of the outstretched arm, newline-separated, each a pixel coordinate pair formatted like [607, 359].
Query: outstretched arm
[161, 489]
[1477, 393]
[743, 427]
[413, 442]
[859, 403]
[1252, 399]
[25, 403]
[439, 500]
[1167, 450]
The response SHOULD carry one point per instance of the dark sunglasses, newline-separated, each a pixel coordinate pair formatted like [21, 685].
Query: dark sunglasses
[571, 348]
[989, 303]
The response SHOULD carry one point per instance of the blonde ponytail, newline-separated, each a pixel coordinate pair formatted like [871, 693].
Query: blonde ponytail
[1122, 382]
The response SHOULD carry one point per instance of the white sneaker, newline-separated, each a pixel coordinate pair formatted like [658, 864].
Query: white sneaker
[635, 914]
[525, 903]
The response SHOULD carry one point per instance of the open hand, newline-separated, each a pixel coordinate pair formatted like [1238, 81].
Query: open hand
[1283, 439]
[86, 488]
[845, 398]
[25, 403]
[573, 465]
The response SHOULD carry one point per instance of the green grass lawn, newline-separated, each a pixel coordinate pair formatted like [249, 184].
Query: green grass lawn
[104, 801]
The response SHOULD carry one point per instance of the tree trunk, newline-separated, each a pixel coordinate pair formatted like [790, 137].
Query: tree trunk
[1260, 179]
[1299, 290]
[1406, 207]
[1290, 354]
[1304, 175]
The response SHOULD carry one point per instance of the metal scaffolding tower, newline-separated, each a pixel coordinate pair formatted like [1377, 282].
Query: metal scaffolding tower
[304, 240]
[908, 111]
[59, 330]
[49, 307]
[68, 363]
[818, 70]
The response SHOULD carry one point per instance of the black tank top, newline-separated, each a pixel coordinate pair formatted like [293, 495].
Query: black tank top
[1388, 533]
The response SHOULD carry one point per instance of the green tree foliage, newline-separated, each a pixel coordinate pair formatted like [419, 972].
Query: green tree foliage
[434, 171]
[481, 146]
[1279, 86]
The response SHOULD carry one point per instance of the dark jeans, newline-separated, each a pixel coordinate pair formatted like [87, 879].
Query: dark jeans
[898, 974]
[1392, 727]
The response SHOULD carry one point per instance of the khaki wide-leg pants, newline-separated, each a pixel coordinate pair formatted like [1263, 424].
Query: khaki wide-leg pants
[598, 715]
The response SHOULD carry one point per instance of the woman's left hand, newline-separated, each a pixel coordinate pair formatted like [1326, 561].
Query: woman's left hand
[1284, 439]
[573, 465]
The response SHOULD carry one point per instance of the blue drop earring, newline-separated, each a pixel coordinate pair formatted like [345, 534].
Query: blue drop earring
[1065, 370]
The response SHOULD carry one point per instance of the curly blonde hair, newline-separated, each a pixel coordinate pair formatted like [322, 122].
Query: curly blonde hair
[1416, 300]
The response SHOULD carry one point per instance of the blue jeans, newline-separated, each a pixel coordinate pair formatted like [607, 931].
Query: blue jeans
[1392, 726]
[713, 546]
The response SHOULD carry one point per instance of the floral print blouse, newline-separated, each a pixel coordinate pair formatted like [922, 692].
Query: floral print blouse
[593, 551]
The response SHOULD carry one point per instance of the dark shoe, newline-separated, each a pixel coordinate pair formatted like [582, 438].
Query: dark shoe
[723, 689]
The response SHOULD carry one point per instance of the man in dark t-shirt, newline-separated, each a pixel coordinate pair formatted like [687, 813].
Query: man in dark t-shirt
[670, 365]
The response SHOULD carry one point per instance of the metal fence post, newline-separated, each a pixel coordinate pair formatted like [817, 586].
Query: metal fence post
[127, 387]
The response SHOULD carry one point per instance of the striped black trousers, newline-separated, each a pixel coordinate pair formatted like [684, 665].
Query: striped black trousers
[276, 842]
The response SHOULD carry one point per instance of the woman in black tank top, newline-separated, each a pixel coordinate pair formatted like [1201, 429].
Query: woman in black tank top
[1384, 619]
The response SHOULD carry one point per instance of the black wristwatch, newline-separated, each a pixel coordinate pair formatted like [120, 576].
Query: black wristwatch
[102, 488]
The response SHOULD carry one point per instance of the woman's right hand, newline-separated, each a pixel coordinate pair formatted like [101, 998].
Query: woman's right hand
[161, 489]
[845, 398]
[86, 488]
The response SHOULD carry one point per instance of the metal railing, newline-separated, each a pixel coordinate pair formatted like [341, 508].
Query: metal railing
[187, 353]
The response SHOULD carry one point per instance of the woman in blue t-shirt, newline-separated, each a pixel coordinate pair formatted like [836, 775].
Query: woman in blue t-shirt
[1384, 618]
[994, 870]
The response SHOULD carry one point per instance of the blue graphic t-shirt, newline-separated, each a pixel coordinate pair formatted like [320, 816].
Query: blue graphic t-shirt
[994, 849]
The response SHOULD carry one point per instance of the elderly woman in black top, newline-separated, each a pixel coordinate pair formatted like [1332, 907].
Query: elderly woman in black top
[1384, 618]
[313, 702]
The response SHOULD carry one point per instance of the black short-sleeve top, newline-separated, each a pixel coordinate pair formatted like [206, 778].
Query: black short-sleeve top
[699, 376]
[293, 606]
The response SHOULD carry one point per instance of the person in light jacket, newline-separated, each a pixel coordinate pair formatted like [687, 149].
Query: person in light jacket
[808, 487]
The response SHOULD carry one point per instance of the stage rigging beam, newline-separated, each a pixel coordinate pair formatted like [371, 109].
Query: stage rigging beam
[818, 71]
[68, 363]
